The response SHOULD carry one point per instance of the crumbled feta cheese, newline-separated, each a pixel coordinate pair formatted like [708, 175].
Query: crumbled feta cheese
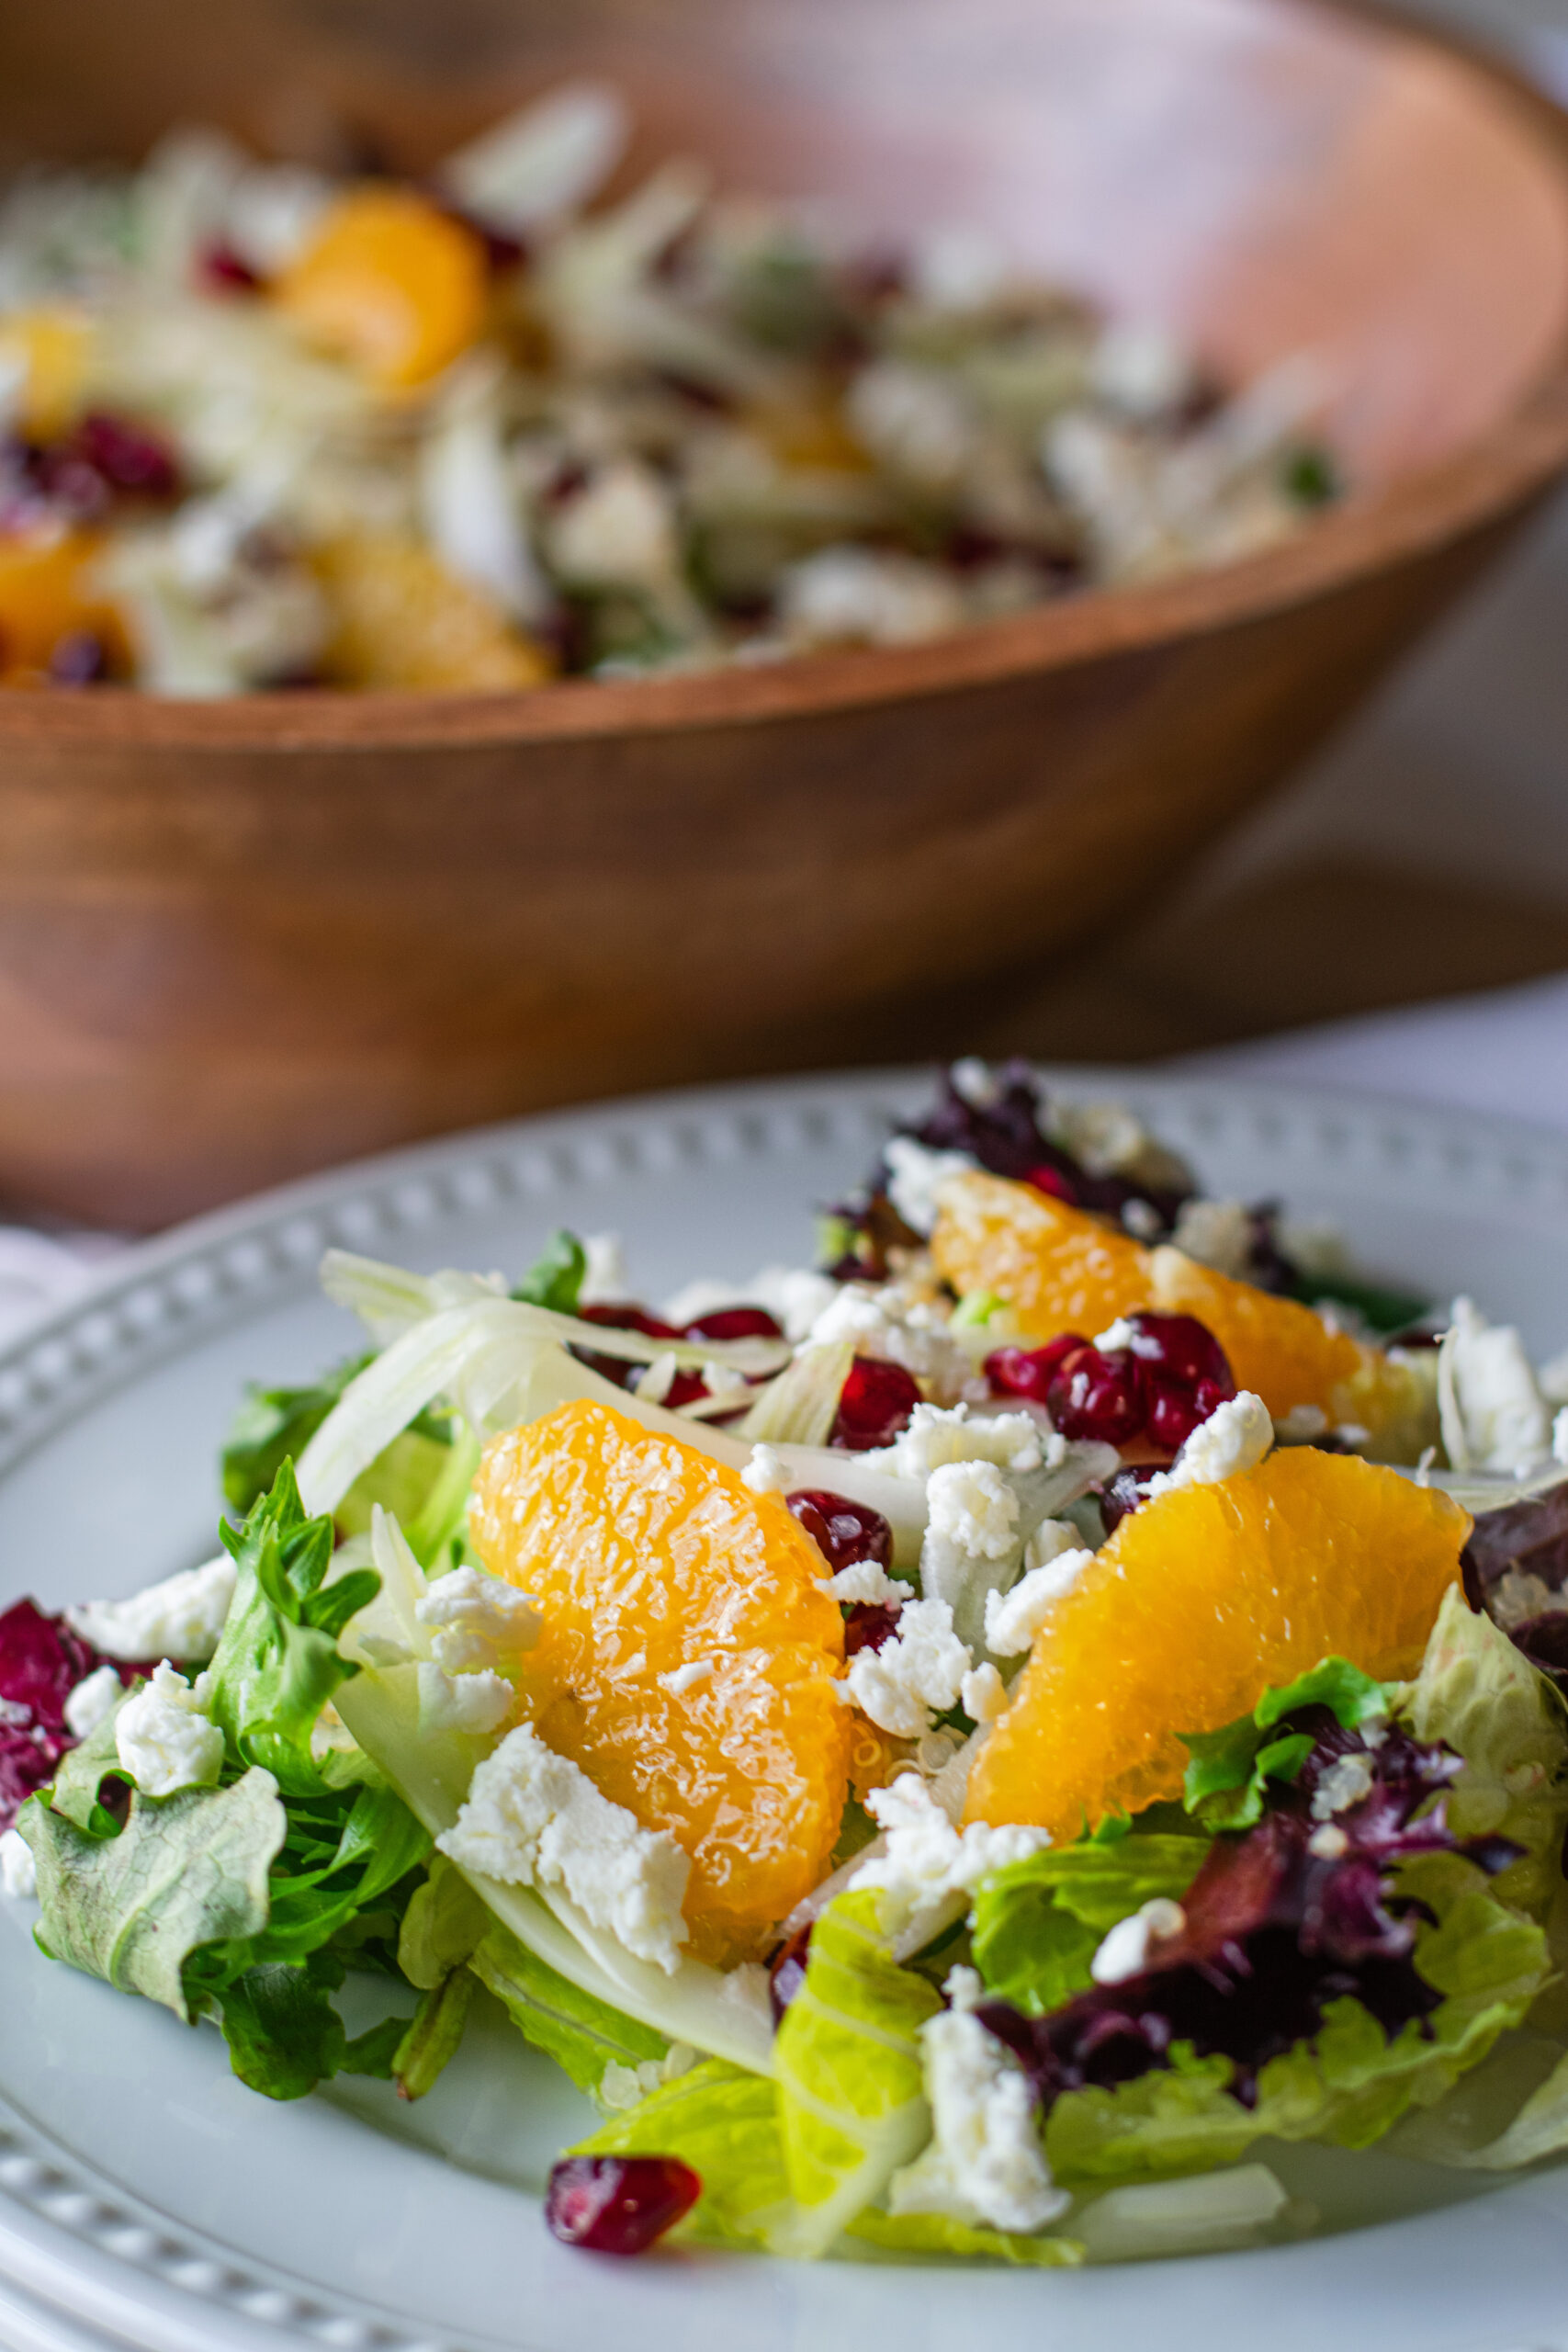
[472, 1702]
[1141, 368]
[1142, 1219]
[163, 1738]
[531, 1818]
[478, 1619]
[604, 1271]
[182, 1617]
[1125, 1951]
[962, 1988]
[621, 2088]
[973, 1506]
[655, 1382]
[855, 596]
[1217, 1233]
[723, 1380]
[983, 1694]
[1014, 1619]
[1301, 1425]
[985, 2163]
[1494, 1416]
[1109, 1139]
[915, 1175]
[975, 1083]
[1345, 1782]
[94, 1697]
[18, 1871]
[681, 1678]
[1236, 1437]
[938, 1434]
[928, 1869]
[1553, 1379]
[1115, 1336]
[922, 1669]
[619, 532]
[902, 1331]
[918, 422]
[1329, 1843]
[868, 1581]
[1049, 1541]
[766, 1472]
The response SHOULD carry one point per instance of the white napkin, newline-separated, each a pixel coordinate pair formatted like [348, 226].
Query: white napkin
[1506, 1052]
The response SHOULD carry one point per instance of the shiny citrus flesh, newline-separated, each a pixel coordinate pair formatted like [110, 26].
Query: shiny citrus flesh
[401, 619]
[1204, 1598]
[391, 283]
[1062, 1269]
[47, 593]
[647, 1557]
[51, 349]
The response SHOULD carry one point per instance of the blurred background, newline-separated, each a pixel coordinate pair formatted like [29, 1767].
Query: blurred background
[1425, 855]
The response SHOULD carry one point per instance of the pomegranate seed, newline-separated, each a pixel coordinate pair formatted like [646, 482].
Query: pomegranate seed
[736, 1323]
[868, 1625]
[874, 1404]
[842, 1531]
[132, 459]
[1029, 1371]
[1098, 1397]
[79, 659]
[1052, 1180]
[221, 270]
[1121, 1493]
[787, 1973]
[1184, 1349]
[618, 2204]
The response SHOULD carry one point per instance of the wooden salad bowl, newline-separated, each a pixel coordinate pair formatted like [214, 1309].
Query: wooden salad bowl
[241, 939]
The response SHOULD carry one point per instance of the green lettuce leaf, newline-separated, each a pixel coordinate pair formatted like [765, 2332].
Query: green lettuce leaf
[849, 2072]
[277, 1662]
[444, 1921]
[1478, 1692]
[1229, 1770]
[1038, 1923]
[285, 2036]
[583, 2035]
[434, 2033]
[555, 1278]
[185, 1872]
[724, 2122]
[907, 2234]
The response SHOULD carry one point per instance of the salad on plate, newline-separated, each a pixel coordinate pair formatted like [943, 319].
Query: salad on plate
[264, 426]
[966, 1750]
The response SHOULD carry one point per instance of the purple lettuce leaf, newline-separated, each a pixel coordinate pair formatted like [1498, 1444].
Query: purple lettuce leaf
[1273, 1933]
[41, 1661]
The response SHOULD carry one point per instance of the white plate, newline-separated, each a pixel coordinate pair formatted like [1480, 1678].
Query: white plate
[147, 2200]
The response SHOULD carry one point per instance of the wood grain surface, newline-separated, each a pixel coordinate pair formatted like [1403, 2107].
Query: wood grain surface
[238, 940]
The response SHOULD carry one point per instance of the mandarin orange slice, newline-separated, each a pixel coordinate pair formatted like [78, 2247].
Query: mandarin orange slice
[1062, 1269]
[689, 1655]
[1202, 1598]
[390, 281]
[401, 619]
[47, 593]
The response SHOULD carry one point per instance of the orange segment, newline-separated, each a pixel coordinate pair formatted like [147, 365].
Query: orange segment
[46, 594]
[1061, 1269]
[1064, 1269]
[645, 1558]
[401, 619]
[51, 347]
[391, 283]
[1202, 1600]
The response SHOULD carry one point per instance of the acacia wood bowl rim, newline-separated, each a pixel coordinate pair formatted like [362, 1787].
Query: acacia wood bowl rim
[1366, 533]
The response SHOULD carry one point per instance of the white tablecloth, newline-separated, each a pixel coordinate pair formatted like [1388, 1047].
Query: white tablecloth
[1506, 1052]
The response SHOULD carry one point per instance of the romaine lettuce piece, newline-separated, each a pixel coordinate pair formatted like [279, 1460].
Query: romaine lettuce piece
[584, 2036]
[905, 2234]
[723, 2120]
[1038, 1923]
[851, 2074]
